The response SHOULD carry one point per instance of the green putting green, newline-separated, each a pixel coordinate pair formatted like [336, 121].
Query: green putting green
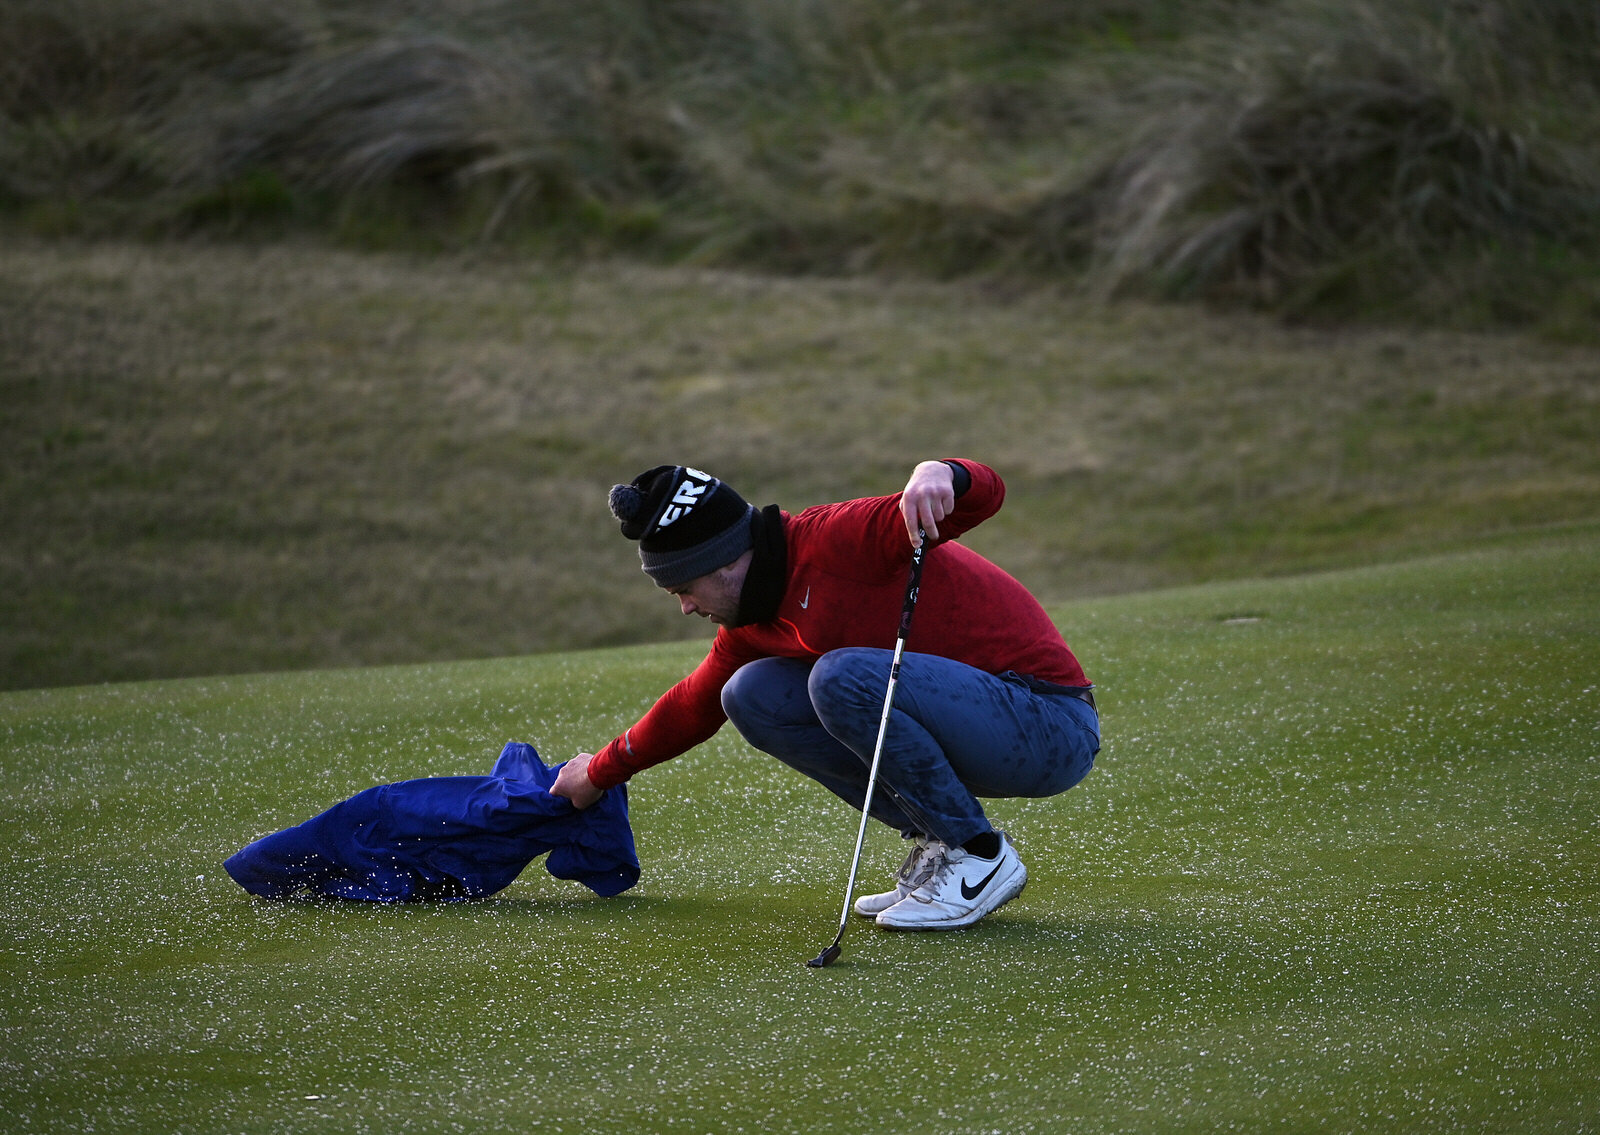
[1337, 870]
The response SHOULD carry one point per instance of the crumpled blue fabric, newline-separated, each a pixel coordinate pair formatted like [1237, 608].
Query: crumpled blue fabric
[446, 839]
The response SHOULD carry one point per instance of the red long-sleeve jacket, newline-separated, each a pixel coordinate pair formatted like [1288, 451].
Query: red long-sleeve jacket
[846, 578]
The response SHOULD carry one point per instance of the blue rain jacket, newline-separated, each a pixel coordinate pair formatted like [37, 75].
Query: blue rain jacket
[446, 838]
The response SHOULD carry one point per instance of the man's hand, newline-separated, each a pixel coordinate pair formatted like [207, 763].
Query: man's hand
[573, 782]
[928, 498]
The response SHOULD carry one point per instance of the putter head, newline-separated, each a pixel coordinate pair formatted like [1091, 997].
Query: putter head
[826, 958]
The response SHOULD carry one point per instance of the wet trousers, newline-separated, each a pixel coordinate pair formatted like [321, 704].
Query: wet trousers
[955, 734]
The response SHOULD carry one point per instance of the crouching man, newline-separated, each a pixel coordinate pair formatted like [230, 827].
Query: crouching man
[990, 702]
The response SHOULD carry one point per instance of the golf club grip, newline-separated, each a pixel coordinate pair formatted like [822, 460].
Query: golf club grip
[914, 584]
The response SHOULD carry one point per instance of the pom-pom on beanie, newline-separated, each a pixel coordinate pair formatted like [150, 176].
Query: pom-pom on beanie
[688, 523]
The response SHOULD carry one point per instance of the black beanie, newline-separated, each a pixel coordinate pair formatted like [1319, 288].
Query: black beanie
[688, 523]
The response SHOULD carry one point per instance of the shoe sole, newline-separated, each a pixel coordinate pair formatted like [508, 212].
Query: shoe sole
[965, 920]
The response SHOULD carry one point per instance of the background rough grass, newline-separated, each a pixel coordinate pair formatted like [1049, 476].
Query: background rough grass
[1425, 160]
[1336, 869]
[217, 460]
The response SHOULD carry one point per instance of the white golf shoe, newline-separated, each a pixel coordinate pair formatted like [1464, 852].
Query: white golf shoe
[918, 868]
[961, 889]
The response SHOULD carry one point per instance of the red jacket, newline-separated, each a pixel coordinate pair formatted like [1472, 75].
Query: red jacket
[847, 571]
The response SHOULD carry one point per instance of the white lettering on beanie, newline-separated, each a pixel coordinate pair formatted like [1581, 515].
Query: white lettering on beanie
[691, 491]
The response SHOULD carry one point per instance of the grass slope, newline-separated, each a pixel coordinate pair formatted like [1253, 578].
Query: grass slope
[1337, 870]
[230, 459]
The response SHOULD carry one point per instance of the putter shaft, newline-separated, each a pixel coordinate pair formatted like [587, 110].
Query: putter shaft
[831, 954]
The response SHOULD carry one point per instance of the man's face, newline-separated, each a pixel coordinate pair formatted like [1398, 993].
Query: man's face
[714, 596]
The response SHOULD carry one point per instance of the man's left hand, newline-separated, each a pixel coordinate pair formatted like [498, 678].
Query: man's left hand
[928, 498]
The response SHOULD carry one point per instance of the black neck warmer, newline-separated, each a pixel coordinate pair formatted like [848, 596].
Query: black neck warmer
[764, 583]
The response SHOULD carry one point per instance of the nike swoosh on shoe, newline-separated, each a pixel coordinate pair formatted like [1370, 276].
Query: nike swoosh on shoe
[970, 893]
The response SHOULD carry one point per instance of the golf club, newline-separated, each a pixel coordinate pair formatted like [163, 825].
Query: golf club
[828, 956]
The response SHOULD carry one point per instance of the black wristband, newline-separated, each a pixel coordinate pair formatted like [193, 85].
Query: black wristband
[963, 479]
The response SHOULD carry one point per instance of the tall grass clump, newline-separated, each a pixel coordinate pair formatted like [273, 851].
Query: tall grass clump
[1431, 158]
[424, 123]
[1358, 158]
[105, 103]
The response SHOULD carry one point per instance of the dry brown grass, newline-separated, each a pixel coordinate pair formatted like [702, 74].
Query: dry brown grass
[1422, 160]
[1345, 159]
[226, 458]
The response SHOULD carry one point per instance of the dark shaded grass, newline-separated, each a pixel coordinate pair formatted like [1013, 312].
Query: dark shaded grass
[222, 460]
